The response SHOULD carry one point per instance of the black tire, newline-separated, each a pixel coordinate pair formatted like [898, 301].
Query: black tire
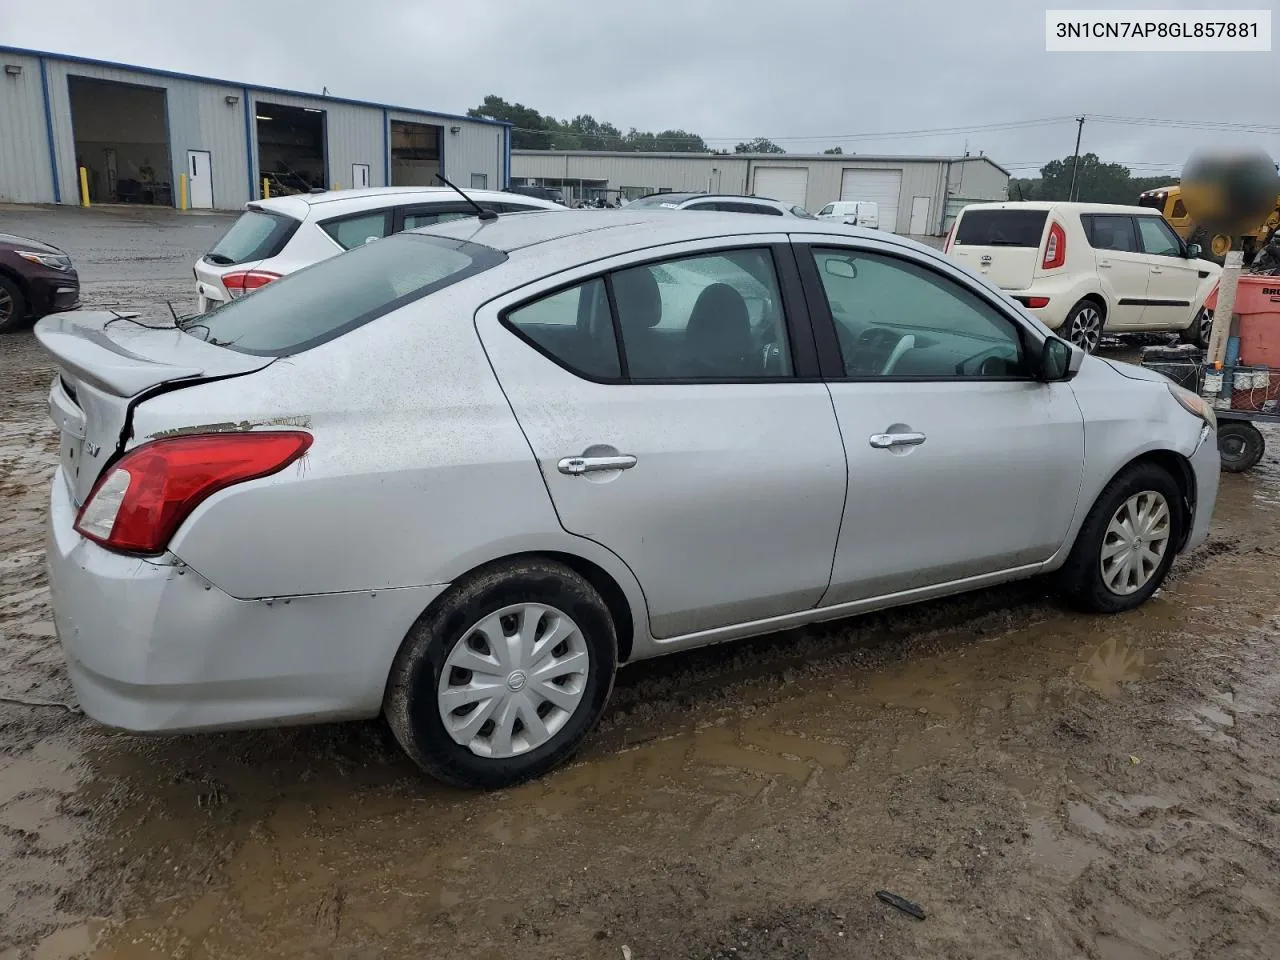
[1080, 579]
[1240, 445]
[1084, 325]
[1200, 330]
[411, 704]
[1204, 237]
[13, 306]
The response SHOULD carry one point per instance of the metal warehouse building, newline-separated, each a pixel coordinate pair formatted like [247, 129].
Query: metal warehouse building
[137, 131]
[916, 195]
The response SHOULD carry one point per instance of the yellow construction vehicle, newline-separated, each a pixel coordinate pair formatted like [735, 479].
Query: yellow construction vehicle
[1168, 200]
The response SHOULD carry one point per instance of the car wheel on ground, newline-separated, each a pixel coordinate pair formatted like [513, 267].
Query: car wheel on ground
[503, 679]
[1083, 326]
[1240, 444]
[1200, 330]
[13, 306]
[1127, 542]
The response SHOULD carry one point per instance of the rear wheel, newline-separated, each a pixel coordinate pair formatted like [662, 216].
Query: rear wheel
[503, 680]
[1083, 325]
[1240, 445]
[1127, 543]
[13, 306]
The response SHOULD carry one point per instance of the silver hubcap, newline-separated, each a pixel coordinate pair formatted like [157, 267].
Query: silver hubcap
[6, 305]
[1206, 326]
[513, 680]
[1086, 329]
[1135, 542]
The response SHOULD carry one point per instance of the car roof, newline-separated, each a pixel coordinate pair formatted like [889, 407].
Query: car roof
[592, 235]
[299, 206]
[1066, 207]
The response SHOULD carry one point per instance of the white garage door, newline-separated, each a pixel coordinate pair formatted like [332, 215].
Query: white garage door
[787, 184]
[882, 186]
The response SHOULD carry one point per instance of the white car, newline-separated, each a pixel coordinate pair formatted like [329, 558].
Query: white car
[719, 203]
[1083, 268]
[853, 213]
[278, 236]
[456, 476]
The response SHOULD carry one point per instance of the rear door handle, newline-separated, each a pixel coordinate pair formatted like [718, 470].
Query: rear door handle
[575, 466]
[887, 441]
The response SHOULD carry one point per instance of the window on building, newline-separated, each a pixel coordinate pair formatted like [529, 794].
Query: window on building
[479, 181]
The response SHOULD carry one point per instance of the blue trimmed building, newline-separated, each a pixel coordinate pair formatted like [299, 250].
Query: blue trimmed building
[136, 131]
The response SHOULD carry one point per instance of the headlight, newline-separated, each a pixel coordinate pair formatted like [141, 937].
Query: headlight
[1194, 404]
[55, 261]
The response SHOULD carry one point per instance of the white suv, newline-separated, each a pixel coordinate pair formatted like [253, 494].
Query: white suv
[1083, 267]
[278, 236]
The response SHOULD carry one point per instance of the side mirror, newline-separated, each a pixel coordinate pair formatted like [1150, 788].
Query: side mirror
[1193, 251]
[1059, 361]
[841, 267]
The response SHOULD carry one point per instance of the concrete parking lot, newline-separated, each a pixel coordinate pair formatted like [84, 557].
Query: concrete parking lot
[1042, 783]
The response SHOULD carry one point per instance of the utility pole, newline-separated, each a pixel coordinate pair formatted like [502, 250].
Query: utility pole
[1075, 163]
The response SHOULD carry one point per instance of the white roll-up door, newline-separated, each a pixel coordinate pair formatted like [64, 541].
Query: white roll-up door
[882, 186]
[785, 184]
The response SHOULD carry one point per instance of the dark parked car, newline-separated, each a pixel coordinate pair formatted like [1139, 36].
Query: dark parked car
[35, 278]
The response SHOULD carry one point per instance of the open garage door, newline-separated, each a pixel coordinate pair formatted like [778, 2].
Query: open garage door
[291, 153]
[882, 186]
[122, 140]
[785, 184]
[415, 154]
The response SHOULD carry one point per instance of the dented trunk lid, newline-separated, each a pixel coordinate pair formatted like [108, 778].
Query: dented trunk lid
[107, 363]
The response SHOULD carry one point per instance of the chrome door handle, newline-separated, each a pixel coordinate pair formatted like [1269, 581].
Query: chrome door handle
[1157, 270]
[1105, 264]
[575, 466]
[887, 441]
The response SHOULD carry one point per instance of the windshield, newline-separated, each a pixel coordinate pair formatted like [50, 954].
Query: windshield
[255, 236]
[1001, 228]
[336, 295]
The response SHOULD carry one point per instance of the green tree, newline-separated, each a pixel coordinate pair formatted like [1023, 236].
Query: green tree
[758, 145]
[531, 130]
[833, 150]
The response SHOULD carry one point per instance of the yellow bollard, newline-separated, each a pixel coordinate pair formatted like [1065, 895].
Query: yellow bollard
[266, 189]
[182, 191]
[336, 186]
[84, 187]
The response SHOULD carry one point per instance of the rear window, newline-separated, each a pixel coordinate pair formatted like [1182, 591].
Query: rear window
[662, 200]
[334, 296]
[255, 236]
[1001, 228]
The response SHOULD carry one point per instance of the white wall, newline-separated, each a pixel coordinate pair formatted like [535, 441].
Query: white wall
[26, 174]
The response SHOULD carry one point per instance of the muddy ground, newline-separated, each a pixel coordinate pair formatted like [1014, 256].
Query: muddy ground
[1043, 784]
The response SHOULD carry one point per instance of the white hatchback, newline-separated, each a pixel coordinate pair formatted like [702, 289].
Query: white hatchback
[1083, 268]
[278, 236]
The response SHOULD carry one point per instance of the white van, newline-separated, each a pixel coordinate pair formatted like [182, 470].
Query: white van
[855, 213]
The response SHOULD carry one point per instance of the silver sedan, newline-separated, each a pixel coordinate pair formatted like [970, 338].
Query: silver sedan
[458, 476]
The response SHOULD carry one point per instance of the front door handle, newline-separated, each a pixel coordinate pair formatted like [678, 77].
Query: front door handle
[1106, 264]
[575, 466]
[1157, 270]
[887, 441]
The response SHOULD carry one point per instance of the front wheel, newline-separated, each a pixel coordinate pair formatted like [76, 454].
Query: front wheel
[13, 306]
[503, 679]
[1127, 542]
[1200, 330]
[1240, 445]
[1083, 326]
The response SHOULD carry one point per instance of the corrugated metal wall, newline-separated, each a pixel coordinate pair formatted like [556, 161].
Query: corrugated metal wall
[919, 179]
[475, 148]
[353, 134]
[980, 179]
[26, 176]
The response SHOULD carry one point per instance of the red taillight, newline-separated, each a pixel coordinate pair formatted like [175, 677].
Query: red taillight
[1037, 301]
[946, 246]
[1055, 251]
[138, 504]
[246, 281]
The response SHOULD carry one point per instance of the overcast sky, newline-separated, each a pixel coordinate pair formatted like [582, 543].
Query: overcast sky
[802, 72]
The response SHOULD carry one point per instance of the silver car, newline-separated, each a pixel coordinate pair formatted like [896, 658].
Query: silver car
[458, 476]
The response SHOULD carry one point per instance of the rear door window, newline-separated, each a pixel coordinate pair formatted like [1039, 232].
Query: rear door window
[349, 232]
[257, 235]
[336, 295]
[1001, 228]
[1111, 232]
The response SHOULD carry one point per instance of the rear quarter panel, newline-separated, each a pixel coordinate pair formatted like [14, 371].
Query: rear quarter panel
[417, 474]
